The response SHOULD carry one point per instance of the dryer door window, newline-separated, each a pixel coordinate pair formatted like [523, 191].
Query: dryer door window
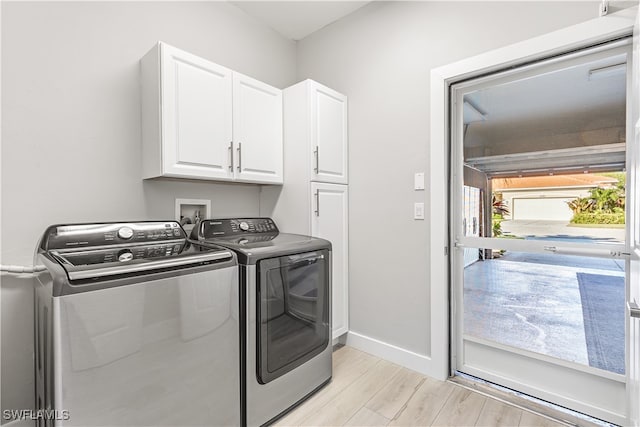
[293, 294]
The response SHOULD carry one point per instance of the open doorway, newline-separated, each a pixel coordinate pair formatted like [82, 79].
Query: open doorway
[538, 220]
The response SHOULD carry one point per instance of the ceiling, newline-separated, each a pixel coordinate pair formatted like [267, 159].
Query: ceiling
[571, 118]
[562, 101]
[297, 19]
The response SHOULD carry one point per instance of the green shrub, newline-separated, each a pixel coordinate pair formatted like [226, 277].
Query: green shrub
[496, 229]
[598, 218]
[609, 200]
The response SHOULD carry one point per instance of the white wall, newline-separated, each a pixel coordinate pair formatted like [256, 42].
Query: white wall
[381, 57]
[71, 129]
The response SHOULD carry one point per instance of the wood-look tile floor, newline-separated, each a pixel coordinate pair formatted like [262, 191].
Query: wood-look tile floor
[368, 391]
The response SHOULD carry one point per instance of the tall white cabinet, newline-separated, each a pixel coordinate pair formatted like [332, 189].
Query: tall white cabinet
[204, 121]
[314, 199]
[330, 220]
[328, 112]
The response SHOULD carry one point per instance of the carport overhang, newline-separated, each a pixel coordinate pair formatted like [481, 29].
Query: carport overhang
[588, 159]
[479, 171]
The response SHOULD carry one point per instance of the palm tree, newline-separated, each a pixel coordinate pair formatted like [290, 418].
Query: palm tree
[608, 199]
[499, 209]
[499, 206]
[581, 204]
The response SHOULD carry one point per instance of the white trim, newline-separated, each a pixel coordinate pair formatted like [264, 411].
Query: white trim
[611, 250]
[578, 36]
[417, 362]
[438, 233]
[575, 366]
[497, 363]
[549, 396]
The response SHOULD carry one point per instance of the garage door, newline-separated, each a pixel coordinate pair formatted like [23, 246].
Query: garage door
[550, 209]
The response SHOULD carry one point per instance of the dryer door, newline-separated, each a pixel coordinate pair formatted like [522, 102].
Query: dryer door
[293, 295]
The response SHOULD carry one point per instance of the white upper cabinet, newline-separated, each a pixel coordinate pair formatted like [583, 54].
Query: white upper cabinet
[257, 130]
[186, 115]
[328, 110]
[201, 120]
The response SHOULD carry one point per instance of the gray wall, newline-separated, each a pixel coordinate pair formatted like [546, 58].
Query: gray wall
[71, 129]
[381, 57]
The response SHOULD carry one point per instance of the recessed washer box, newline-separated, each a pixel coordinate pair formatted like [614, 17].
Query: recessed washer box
[189, 211]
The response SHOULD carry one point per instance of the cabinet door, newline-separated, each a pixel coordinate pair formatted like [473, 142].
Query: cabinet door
[330, 216]
[196, 116]
[257, 130]
[328, 135]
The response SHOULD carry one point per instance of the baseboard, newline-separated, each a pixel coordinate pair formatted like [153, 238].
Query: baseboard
[414, 361]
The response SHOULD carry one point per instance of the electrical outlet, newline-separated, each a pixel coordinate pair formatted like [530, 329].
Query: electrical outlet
[418, 211]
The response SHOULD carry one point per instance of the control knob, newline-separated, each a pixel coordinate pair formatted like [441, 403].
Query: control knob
[244, 226]
[125, 256]
[125, 233]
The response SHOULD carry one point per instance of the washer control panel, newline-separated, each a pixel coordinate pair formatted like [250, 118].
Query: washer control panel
[89, 235]
[121, 254]
[214, 228]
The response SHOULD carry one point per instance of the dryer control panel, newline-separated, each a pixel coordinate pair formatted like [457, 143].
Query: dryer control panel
[215, 228]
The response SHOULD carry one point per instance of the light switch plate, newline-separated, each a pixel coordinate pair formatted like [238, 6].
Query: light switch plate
[418, 211]
[418, 181]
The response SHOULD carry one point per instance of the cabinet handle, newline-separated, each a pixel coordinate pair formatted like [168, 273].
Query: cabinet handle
[317, 211]
[239, 157]
[316, 154]
[231, 156]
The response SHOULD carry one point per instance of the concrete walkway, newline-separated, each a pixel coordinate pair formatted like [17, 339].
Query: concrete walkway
[531, 306]
[532, 301]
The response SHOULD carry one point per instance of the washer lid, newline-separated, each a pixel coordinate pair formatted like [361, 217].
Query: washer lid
[253, 247]
[108, 262]
[255, 238]
[100, 251]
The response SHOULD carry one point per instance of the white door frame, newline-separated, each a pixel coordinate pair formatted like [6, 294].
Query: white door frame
[571, 385]
[579, 36]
